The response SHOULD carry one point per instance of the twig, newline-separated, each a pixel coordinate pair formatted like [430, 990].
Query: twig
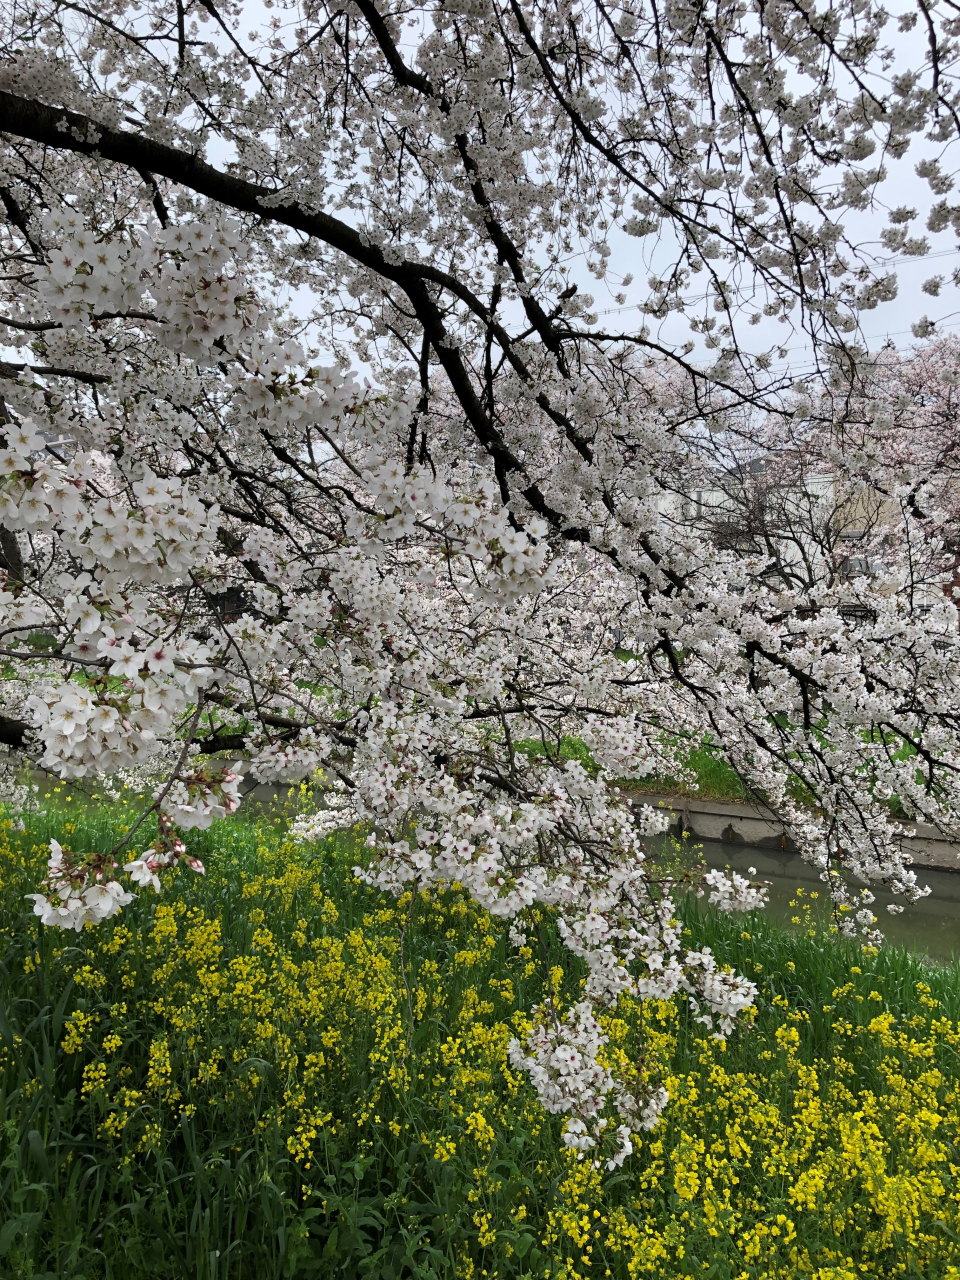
[155, 807]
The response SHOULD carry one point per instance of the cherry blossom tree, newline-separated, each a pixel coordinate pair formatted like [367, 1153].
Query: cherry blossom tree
[217, 541]
[901, 414]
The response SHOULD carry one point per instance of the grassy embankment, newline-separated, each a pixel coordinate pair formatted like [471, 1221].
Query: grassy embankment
[231, 1081]
[715, 780]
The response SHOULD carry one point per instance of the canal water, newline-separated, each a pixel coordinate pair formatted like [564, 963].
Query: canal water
[930, 927]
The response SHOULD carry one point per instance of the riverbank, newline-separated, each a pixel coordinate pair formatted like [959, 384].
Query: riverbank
[930, 927]
[739, 822]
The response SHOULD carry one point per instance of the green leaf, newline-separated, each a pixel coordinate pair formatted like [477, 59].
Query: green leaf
[330, 1248]
[523, 1244]
[24, 1225]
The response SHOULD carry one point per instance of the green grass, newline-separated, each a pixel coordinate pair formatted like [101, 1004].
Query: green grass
[233, 1080]
[714, 777]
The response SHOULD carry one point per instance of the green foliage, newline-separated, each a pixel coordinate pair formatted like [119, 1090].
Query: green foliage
[274, 1071]
[714, 777]
[566, 748]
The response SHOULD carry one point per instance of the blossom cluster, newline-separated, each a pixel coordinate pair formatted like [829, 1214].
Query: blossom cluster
[79, 890]
[562, 1060]
[196, 799]
[289, 761]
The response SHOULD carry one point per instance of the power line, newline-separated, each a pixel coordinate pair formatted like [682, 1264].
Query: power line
[786, 366]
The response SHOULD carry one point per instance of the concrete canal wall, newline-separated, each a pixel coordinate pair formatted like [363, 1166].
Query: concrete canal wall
[756, 827]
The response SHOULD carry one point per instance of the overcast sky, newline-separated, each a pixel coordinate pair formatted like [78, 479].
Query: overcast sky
[892, 320]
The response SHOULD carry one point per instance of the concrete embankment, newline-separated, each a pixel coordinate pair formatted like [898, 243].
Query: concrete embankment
[756, 827]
